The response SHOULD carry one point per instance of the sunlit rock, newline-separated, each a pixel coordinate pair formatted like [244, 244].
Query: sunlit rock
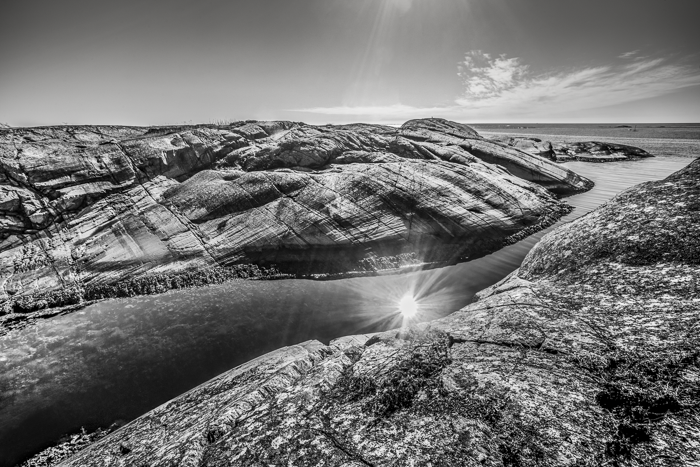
[85, 206]
[587, 151]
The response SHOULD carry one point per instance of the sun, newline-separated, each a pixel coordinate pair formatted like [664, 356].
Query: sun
[408, 306]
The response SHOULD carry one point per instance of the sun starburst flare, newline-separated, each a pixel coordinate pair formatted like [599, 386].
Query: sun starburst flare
[408, 306]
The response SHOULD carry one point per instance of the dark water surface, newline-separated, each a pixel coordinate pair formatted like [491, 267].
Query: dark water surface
[118, 359]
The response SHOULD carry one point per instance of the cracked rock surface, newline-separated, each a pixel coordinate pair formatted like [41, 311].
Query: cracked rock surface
[585, 356]
[98, 204]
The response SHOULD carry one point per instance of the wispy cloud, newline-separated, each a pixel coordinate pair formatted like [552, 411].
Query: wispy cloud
[486, 77]
[505, 87]
[512, 87]
[629, 54]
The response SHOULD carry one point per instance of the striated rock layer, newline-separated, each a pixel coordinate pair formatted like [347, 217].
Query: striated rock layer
[585, 356]
[84, 206]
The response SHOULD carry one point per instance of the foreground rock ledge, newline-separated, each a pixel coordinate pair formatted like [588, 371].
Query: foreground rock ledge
[83, 208]
[586, 355]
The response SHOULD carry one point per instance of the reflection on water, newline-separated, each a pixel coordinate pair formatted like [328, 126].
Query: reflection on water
[117, 359]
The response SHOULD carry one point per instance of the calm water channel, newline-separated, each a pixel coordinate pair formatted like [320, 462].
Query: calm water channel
[118, 359]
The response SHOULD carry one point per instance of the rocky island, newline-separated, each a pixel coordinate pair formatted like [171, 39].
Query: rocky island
[94, 212]
[587, 355]
[559, 151]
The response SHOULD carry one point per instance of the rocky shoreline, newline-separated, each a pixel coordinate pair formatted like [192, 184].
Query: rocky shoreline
[22, 311]
[95, 208]
[587, 355]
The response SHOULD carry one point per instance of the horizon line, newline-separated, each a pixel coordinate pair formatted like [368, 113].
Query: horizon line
[4, 126]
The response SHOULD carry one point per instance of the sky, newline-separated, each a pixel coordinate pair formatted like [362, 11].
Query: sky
[151, 62]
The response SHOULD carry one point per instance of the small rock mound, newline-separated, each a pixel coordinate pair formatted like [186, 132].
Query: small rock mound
[587, 151]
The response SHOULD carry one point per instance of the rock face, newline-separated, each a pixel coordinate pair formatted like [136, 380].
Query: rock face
[587, 151]
[585, 356]
[96, 205]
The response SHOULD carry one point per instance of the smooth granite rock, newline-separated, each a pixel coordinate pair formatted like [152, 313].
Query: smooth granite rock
[91, 205]
[585, 356]
[85, 206]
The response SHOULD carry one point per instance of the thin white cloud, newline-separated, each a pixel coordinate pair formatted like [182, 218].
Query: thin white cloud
[503, 87]
[485, 77]
[574, 89]
[629, 54]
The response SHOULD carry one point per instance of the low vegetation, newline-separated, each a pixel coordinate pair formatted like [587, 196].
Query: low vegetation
[67, 446]
[143, 285]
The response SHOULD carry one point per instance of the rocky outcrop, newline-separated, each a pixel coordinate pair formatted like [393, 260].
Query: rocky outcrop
[585, 356]
[587, 151]
[87, 206]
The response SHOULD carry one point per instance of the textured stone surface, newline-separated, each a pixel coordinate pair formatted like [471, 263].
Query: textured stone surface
[524, 376]
[587, 151]
[93, 205]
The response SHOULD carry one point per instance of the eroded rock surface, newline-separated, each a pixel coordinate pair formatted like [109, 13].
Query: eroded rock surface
[587, 151]
[84, 206]
[585, 356]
